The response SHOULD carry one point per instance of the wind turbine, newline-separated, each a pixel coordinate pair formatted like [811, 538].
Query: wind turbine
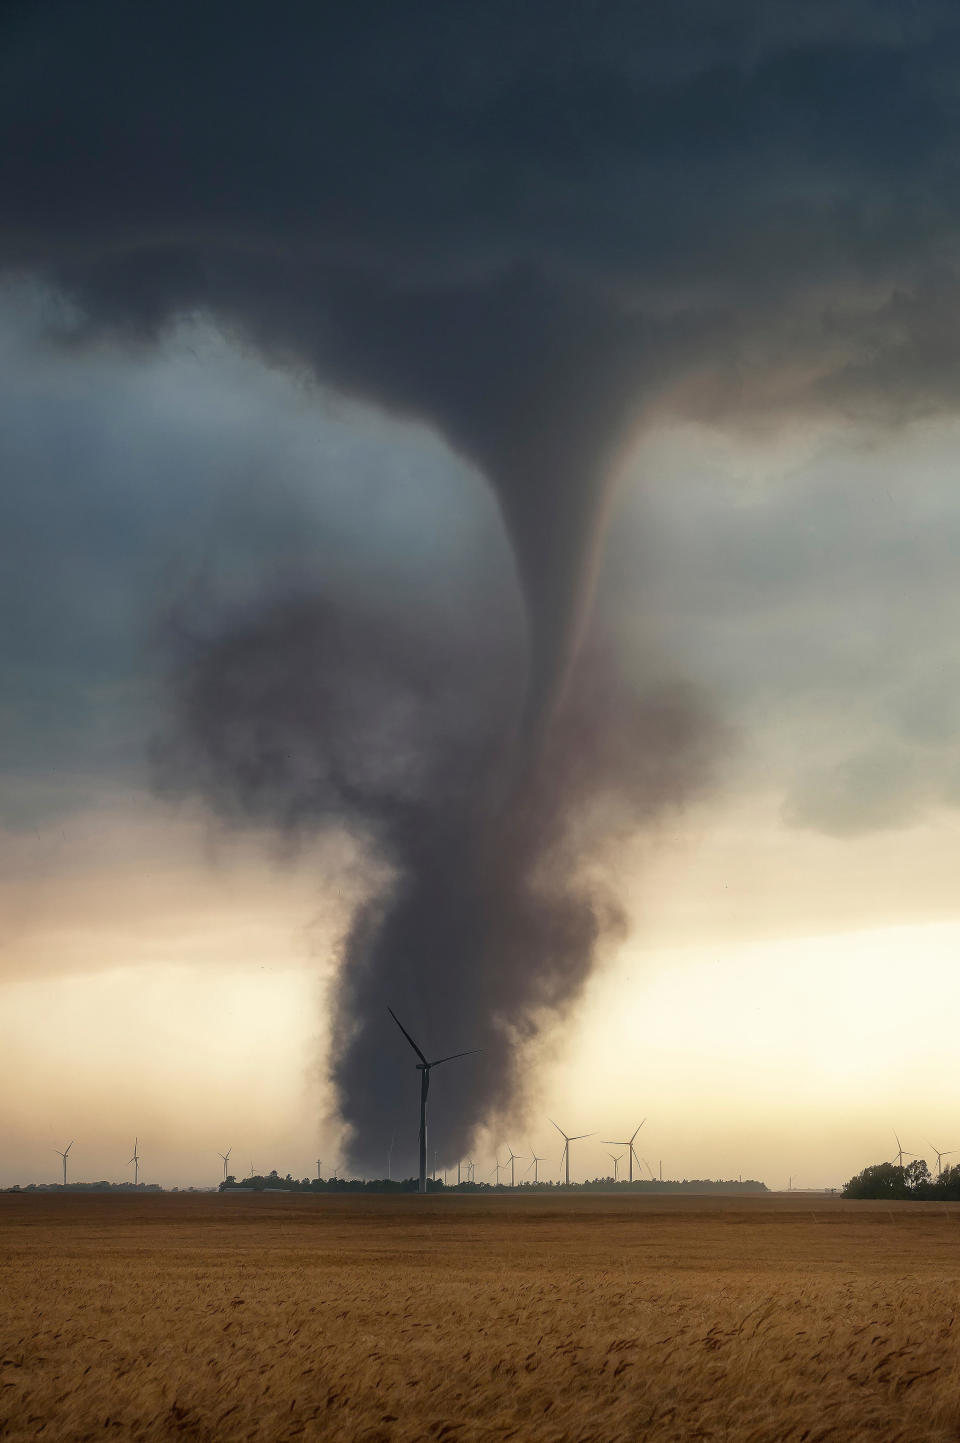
[225, 1159]
[940, 1155]
[64, 1156]
[565, 1158]
[535, 1164]
[900, 1152]
[136, 1162]
[625, 1142]
[496, 1167]
[615, 1159]
[514, 1157]
[423, 1067]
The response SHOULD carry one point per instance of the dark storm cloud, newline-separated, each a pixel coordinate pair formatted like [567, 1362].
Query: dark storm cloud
[534, 228]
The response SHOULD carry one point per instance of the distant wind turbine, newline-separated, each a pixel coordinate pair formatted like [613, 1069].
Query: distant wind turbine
[941, 1155]
[565, 1157]
[628, 1143]
[496, 1169]
[535, 1165]
[319, 1161]
[225, 1159]
[64, 1156]
[900, 1152]
[615, 1159]
[423, 1067]
[514, 1157]
[136, 1162]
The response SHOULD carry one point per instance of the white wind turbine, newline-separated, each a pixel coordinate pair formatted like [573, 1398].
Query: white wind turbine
[941, 1155]
[615, 1159]
[64, 1156]
[136, 1162]
[535, 1165]
[900, 1154]
[565, 1155]
[225, 1159]
[514, 1157]
[628, 1143]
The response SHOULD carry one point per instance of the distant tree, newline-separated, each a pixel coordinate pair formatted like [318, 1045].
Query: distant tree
[883, 1179]
[916, 1175]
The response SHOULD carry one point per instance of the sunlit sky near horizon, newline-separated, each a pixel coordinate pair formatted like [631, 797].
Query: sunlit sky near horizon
[786, 994]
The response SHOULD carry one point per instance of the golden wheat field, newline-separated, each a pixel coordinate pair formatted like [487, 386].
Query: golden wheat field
[572, 1318]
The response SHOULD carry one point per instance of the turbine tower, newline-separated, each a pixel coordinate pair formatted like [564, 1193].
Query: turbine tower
[628, 1143]
[319, 1161]
[225, 1159]
[565, 1157]
[64, 1156]
[423, 1067]
[942, 1155]
[136, 1162]
[615, 1159]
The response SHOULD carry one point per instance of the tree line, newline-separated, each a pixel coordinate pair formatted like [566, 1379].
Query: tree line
[913, 1181]
[273, 1181]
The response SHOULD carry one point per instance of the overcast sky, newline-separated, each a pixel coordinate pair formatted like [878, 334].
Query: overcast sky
[583, 334]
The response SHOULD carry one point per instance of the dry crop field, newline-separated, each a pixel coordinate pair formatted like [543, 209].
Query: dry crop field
[276, 1316]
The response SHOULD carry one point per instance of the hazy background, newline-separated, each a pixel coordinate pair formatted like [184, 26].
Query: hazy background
[786, 995]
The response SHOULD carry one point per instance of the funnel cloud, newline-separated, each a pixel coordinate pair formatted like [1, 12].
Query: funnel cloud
[536, 232]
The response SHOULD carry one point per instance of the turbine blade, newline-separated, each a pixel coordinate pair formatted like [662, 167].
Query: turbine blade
[638, 1129]
[581, 1135]
[615, 1141]
[453, 1057]
[408, 1037]
[559, 1129]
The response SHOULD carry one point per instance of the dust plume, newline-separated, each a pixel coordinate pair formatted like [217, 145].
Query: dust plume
[488, 901]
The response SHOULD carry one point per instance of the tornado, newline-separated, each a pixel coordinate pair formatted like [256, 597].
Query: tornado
[537, 233]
